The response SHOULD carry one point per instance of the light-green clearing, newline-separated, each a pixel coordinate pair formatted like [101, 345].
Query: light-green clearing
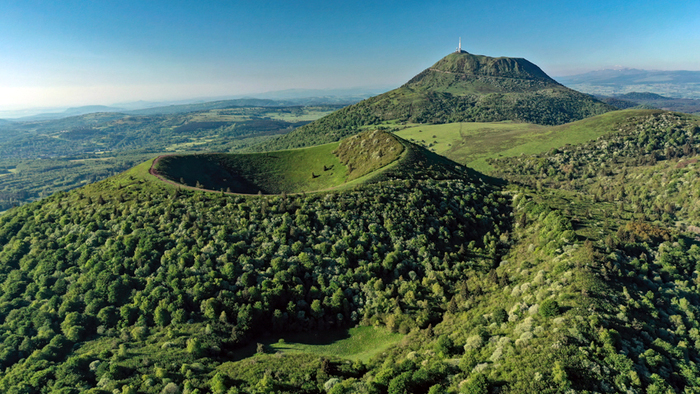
[9, 172]
[472, 144]
[194, 142]
[307, 115]
[360, 343]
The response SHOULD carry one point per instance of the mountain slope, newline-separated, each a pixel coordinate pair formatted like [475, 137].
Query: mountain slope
[460, 87]
[133, 284]
[472, 144]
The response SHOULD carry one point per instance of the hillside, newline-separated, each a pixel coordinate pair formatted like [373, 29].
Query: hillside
[459, 88]
[292, 171]
[576, 276]
[572, 278]
[135, 285]
[472, 144]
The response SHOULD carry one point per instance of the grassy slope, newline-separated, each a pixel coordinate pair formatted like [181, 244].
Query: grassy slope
[277, 172]
[291, 171]
[358, 343]
[472, 143]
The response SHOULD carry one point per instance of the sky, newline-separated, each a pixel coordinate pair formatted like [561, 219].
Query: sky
[69, 53]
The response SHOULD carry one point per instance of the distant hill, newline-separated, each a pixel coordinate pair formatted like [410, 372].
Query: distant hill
[183, 108]
[242, 102]
[618, 103]
[75, 111]
[682, 84]
[646, 96]
[461, 87]
[284, 98]
[648, 100]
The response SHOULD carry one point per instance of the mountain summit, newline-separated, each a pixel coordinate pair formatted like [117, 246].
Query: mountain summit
[461, 87]
[467, 64]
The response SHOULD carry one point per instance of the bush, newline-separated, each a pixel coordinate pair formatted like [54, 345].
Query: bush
[500, 315]
[476, 385]
[444, 345]
[549, 308]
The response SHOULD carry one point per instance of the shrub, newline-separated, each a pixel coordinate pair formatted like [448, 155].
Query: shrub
[549, 308]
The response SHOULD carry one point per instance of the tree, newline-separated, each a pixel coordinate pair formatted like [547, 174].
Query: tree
[549, 308]
[218, 383]
[72, 326]
[444, 345]
[452, 306]
[317, 308]
[436, 389]
[194, 347]
[400, 384]
[161, 316]
[478, 384]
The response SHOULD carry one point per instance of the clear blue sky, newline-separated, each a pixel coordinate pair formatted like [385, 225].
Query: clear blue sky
[102, 52]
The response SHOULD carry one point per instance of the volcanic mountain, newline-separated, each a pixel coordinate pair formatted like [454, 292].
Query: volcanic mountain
[461, 87]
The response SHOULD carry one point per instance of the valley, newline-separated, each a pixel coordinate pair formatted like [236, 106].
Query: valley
[53, 155]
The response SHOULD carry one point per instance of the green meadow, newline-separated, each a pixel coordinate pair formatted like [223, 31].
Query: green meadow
[473, 143]
[359, 343]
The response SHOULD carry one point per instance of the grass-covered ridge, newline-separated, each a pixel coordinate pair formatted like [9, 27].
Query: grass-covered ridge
[473, 144]
[292, 171]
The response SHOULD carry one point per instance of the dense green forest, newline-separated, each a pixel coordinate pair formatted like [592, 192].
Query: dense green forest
[156, 259]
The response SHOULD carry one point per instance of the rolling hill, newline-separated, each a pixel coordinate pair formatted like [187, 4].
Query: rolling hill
[461, 87]
[682, 84]
[653, 100]
[473, 144]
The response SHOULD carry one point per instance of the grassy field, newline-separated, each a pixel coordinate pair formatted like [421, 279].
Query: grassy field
[360, 343]
[308, 115]
[472, 143]
[193, 142]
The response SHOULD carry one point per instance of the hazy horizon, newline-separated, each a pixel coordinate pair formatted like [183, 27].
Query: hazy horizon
[85, 53]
